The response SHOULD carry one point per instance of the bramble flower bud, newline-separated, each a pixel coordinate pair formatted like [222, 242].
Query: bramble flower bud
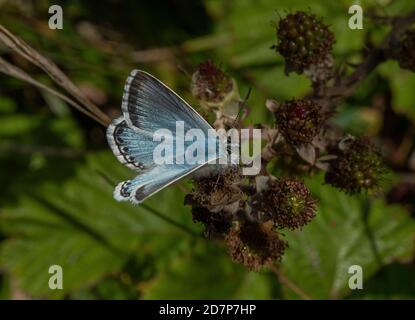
[255, 245]
[217, 192]
[405, 52]
[358, 167]
[303, 40]
[287, 202]
[210, 84]
[215, 223]
[299, 121]
[214, 200]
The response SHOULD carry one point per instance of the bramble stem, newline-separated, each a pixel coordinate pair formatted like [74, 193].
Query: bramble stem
[284, 280]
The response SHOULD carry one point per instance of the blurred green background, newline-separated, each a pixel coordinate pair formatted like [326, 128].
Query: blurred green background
[57, 173]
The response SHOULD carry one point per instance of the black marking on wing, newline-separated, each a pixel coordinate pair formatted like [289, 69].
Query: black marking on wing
[117, 136]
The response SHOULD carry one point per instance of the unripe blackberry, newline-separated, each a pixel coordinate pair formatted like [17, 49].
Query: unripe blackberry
[210, 84]
[255, 245]
[215, 223]
[303, 40]
[287, 202]
[217, 191]
[214, 200]
[405, 51]
[299, 121]
[358, 167]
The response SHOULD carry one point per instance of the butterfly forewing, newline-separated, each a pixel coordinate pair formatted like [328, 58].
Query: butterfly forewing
[149, 105]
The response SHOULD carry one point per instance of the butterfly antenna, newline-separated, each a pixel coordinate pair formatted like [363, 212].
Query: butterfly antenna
[240, 109]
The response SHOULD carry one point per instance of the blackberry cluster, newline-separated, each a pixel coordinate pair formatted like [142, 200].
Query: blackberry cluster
[405, 53]
[255, 245]
[286, 202]
[358, 167]
[299, 121]
[303, 40]
[209, 83]
[216, 223]
[248, 214]
[214, 200]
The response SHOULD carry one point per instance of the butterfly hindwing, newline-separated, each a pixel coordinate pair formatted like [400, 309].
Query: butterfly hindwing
[131, 148]
[149, 182]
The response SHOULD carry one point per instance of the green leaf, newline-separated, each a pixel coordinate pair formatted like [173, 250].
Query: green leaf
[395, 281]
[208, 273]
[14, 124]
[403, 95]
[78, 225]
[4, 287]
[346, 231]
[7, 105]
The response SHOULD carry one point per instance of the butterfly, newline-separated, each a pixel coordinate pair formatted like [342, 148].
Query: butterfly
[148, 105]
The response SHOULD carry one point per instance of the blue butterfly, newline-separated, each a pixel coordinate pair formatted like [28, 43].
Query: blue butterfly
[147, 106]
